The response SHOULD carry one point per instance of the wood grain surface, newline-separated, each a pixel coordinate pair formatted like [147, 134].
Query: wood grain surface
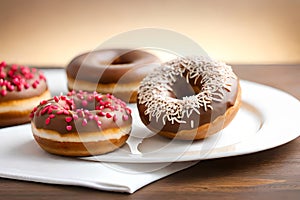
[271, 174]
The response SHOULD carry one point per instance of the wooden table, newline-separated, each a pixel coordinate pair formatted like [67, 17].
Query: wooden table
[272, 174]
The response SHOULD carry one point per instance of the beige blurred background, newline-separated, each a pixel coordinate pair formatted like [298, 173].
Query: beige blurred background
[52, 32]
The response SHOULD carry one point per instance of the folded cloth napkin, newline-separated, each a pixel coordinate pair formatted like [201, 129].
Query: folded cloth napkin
[22, 159]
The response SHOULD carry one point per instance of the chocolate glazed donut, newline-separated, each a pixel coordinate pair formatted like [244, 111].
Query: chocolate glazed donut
[21, 88]
[189, 98]
[115, 71]
[81, 124]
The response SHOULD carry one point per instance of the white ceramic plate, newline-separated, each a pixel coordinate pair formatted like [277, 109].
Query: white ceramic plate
[268, 118]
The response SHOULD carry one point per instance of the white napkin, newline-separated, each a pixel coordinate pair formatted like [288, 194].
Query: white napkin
[22, 159]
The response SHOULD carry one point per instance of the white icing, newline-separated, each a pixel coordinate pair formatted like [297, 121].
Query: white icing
[90, 137]
[216, 79]
[22, 105]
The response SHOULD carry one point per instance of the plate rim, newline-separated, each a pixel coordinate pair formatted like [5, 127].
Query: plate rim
[244, 147]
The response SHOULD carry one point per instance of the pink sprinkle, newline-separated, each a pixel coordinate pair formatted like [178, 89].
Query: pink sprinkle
[11, 87]
[19, 87]
[2, 75]
[10, 73]
[16, 81]
[128, 111]
[43, 102]
[80, 96]
[65, 112]
[14, 67]
[84, 103]
[31, 115]
[34, 85]
[44, 110]
[72, 107]
[84, 122]
[28, 76]
[35, 109]
[26, 85]
[68, 119]
[75, 117]
[3, 64]
[115, 118]
[51, 116]
[96, 118]
[108, 115]
[125, 117]
[54, 106]
[90, 98]
[71, 93]
[63, 98]
[80, 113]
[42, 77]
[98, 98]
[24, 70]
[101, 113]
[50, 110]
[47, 121]
[69, 127]
[107, 104]
[99, 123]
[56, 99]
[60, 112]
[69, 101]
[112, 108]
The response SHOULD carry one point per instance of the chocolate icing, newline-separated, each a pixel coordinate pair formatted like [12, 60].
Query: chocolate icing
[110, 65]
[81, 112]
[204, 117]
[185, 86]
[24, 82]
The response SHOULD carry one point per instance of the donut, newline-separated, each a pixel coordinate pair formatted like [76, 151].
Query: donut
[81, 124]
[114, 71]
[189, 98]
[21, 88]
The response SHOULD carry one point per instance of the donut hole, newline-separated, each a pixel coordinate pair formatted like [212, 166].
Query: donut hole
[181, 88]
[122, 59]
[127, 58]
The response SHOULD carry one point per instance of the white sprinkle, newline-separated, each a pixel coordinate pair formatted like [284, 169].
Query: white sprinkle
[192, 123]
[216, 78]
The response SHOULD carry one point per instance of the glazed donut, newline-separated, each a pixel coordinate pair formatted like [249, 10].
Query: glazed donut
[81, 124]
[20, 89]
[189, 98]
[115, 71]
